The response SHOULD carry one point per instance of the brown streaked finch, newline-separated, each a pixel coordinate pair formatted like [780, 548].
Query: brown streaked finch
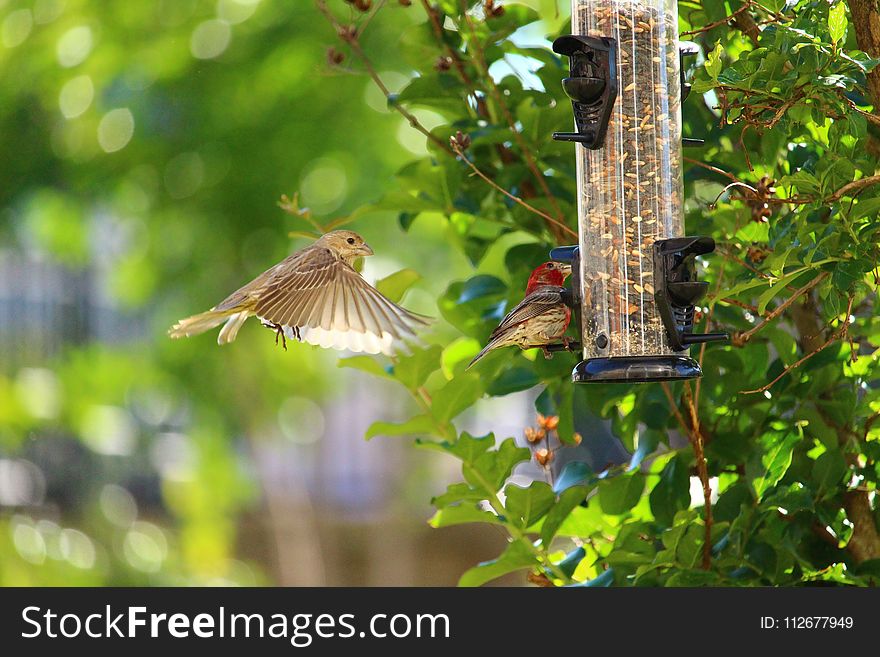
[540, 318]
[314, 295]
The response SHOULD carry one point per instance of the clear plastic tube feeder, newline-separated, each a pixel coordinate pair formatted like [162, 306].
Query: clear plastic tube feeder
[637, 284]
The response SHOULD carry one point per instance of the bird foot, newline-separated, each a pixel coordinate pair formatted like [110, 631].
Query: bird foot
[566, 342]
[547, 353]
[279, 333]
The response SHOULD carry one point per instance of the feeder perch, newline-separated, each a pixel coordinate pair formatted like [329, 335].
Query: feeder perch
[634, 286]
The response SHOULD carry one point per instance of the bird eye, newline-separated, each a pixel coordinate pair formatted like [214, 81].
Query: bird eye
[551, 266]
[350, 240]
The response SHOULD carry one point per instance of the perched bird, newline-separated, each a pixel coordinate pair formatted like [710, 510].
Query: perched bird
[314, 295]
[540, 318]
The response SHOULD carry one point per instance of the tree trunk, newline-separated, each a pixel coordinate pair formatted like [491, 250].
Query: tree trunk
[866, 22]
[864, 543]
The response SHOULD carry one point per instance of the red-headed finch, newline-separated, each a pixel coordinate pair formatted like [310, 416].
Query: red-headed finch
[314, 295]
[540, 318]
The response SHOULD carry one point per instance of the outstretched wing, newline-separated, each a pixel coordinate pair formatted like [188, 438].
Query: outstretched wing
[332, 305]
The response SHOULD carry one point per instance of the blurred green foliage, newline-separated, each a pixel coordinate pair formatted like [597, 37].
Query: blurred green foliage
[146, 145]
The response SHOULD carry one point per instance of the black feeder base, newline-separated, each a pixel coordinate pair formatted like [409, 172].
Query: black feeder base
[636, 369]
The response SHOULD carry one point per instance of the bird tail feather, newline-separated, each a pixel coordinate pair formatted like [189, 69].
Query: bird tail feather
[230, 328]
[202, 322]
[485, 350]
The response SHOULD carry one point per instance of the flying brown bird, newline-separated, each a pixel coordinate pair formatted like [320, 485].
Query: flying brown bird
[314, 295]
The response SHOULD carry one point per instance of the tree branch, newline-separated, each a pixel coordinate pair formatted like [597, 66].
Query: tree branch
[516, 199]
[854, 186]
[528, 158]
[698, 442]
[740, 338]
[837, 335]
[349, 35]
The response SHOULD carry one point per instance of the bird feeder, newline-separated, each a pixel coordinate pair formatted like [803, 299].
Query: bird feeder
[635, 284]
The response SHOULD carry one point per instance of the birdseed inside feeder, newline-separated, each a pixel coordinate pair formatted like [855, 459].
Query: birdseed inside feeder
[637, 279]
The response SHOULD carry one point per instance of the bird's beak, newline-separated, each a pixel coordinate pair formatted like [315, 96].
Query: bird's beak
[365, 250]
[565, 268]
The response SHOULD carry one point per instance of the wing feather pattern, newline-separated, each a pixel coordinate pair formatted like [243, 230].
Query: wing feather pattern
[330, 303]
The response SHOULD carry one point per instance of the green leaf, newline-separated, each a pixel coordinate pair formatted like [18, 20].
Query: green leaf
[413, 370]
[828, 471]
[774, 460]
[515, 557]
[420, 424]
[481, 286]
[770, 293]
[525, 506]
[690, 578]
[837, 22]
[713, 63]
[365, 364]
[461, 514]
[396, 285]
[456, 396]
[805, 182]
[672, 492]
[620, 494]
[513, 379]
[456, 493]
[570, 563]
[568, 500]
[484, 468]
[604, 580]
[468, 448]
[573, 474]
[459, 352]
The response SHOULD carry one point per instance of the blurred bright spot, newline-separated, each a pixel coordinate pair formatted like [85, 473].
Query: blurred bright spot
[696, 490]
[116, 129]
[374, 97]
[50, 532]
[28, 541]
[21, 483]
[16, 28]
[324, 186]
[76, 96]
[413, 140]
[150, 405]
[39, 392]
[210, 39]
[72, 139]
[301, 420]
[236, 11]
[108, 430]
[46, 11]
[145, 547]
[118, 505]
[184, 175]
[173, 456]
[77, 548]
[74, 46]
[217, 160]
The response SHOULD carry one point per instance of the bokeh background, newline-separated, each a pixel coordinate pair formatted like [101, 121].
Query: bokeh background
[145, 146]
